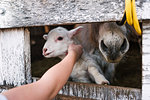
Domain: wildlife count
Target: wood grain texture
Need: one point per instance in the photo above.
(64, 97)
(81, 91)
(146, 61)
(146, 10)
(14, 57)
(24, 13)
(5, 88)
(100, 92)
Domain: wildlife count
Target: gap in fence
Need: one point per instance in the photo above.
(128, 71)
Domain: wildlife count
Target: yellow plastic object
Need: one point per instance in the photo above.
(135, 19)
(130, 16)
(128, 10)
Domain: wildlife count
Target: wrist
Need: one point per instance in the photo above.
(73, 54)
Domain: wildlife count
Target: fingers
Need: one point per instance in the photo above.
(76, 49)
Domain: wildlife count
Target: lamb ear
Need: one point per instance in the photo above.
(45, 36)
(75, 31)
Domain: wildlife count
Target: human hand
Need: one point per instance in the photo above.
(76, 50)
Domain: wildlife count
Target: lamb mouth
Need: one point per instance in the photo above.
(48, 53)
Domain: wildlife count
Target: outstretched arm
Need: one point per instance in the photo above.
(51, 82)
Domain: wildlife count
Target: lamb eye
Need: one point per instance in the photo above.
(60, 38)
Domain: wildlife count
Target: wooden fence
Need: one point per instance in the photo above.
(17, 15)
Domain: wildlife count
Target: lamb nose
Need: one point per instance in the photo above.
(44, 50)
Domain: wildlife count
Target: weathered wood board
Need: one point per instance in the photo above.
(100, 92)
(24, 13)
(5, 88)
(97, 92)
(64, 97)
(15, 57)
(14, 54)
(84, 91)
(146, 10)
(146, 61)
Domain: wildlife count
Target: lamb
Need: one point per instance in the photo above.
(86, 69)
(108, 37)
(107, 42)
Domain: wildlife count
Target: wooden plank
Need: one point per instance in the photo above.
(146, 61)
(64, 97)
(100, 92)
(4, 88)
(24, 13)
(14, 57)
(84, 91)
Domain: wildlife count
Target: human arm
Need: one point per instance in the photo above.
(51, 82)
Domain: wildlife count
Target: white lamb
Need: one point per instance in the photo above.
(86, 68)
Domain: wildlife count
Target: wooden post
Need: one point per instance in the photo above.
(146, 61)
(14, 57)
